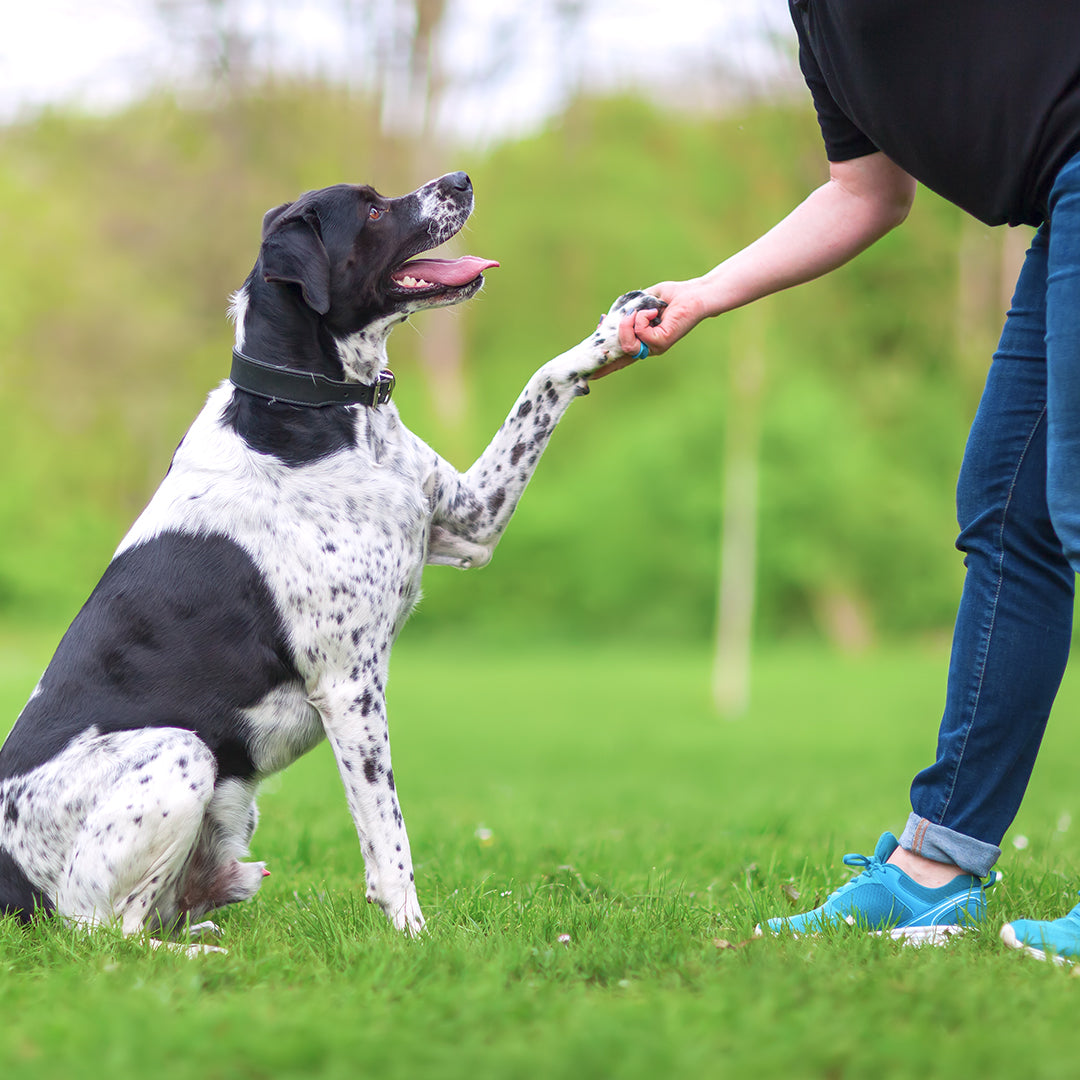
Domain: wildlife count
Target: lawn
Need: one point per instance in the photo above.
(593, 849)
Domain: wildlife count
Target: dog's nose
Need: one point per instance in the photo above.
(459, 181)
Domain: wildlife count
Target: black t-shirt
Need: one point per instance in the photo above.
(977, 99)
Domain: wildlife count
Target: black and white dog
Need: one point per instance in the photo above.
(250, 610)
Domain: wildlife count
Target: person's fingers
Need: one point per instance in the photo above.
(644, 318)
(683, 312)
(663, 335)
(628, 340)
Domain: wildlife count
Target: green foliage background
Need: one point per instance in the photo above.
(123, 236)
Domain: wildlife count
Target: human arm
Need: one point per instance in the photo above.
(862, 200)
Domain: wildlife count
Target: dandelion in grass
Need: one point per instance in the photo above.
(1020, 842)
(485, 836)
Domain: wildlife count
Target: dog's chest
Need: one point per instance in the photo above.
(345, 558)
(341, 540)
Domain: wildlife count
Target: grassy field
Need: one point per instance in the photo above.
(590, 842)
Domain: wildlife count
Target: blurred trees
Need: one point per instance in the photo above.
(393, 49)
(124, 235)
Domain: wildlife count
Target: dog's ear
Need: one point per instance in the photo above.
(272, 215)
(293, 252)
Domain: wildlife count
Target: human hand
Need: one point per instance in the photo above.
(609, 341)
(658, 330)
(685, 309)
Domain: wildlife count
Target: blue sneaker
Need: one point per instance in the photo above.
(1054, 939)
(884, 900)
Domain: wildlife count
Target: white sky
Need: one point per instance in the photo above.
(507, 58)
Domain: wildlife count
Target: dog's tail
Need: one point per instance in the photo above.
(18, 896)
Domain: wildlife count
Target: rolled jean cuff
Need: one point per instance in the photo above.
(922, 837)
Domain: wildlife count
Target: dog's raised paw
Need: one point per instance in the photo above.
(604, 344)
(636, 300)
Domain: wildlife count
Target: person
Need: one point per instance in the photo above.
(978, 100)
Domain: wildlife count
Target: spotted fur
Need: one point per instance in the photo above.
(250, 611)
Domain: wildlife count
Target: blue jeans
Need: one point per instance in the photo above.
(1018, 504)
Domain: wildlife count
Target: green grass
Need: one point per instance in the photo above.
(587, 792)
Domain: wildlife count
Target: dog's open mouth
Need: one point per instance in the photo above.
(440, 275)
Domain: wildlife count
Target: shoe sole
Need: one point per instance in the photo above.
(906, 935)
(922, 935)
(1008, 935)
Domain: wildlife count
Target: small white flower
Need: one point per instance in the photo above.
(1064, 822)
(563, 939)
(1020, 842)
(485, 836)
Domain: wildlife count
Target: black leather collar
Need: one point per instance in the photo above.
(292, 387)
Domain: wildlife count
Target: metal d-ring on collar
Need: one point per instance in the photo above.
(292, 387)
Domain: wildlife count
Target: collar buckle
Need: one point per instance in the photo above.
(384, 387)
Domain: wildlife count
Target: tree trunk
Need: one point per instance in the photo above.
(738, 546)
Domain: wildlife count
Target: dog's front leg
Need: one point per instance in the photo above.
(471, 510)
(354, 718)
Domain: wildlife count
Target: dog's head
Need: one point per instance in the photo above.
(345, 251)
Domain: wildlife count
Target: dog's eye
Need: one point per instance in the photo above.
(374, 214)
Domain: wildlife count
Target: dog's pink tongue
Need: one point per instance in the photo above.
(446, 271)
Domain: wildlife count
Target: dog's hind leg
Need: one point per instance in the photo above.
(215, 874)
(137, 835)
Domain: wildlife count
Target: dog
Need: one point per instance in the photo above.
(250, 610)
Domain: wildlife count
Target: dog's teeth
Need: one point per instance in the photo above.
(414, 283)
